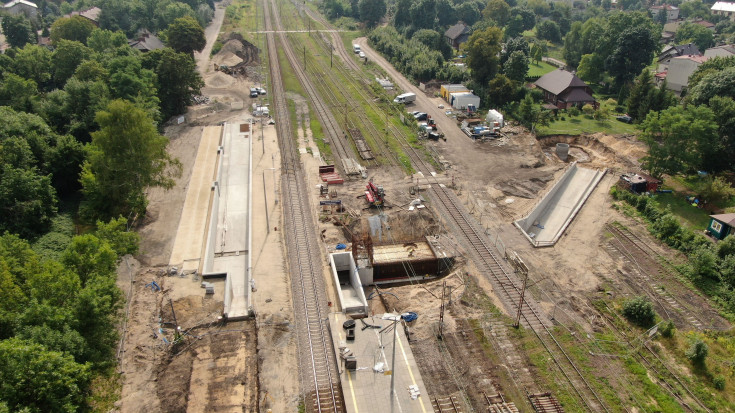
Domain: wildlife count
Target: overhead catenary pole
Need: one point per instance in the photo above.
(393, 362)
(265, 197)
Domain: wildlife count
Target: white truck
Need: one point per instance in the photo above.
(356, 48)
(405, 98)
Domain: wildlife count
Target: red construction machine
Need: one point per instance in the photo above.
(375, 195)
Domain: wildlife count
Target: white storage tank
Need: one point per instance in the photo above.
(493, 116)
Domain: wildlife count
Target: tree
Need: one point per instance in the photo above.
(18, 31)
(76, 28)
(590, 68)
(101, 40)
(402, 16)
(423, 14)
(720, 83)
(531, 115)
(716, 190)
(172, 11)
(116, 15)
(41, 380)
(694, 33)
(27, 201)
(67, 56)
(548, 30)
(724, 110)
(635, 49)
(695, 8)
(17, 92)
(639, 311)
(514, 28)
(679, 140)
(116, 233)
(177, 77)
(129, 80)
(637, 104)
(468, 12)
(445, 13)
(516, 67)
(482, 53)
(573, 45)
(185, 35)
(527, 17)
(501, 90)
(126, 156)
(710, 66)
(512, 45)
(497, 10)
(33, 62)
(371, 11)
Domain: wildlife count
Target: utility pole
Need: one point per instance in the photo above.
(393, 363)
(519, 267)
(265, 197)
(304, 57)
(441, 312)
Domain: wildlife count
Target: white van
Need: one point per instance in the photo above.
(356, 48)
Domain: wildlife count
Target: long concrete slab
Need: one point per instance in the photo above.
(187, 249)
(367, 390)
(547, 221)
(232, 243)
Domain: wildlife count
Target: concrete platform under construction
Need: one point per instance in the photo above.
(231, 215)
(366, 390)
(547, 221)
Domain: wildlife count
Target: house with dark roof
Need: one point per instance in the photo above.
(146, 41)
(670, 52)
(721, 225)
(92, 14)
(457, 34)
(563, 90)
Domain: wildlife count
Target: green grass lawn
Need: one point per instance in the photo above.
(692, 217)
(540, 69)
(581, 124)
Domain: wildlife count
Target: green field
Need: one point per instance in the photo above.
(692, 217)
(539, 69)
(581, 124)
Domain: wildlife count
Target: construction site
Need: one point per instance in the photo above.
(372, 267)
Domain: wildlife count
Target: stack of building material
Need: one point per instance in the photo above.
(328, 174)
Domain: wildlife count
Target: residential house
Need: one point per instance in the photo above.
(22, 6)
(726, 50)
(93, 15)
(724, 8)
(672, 12)
(564, 90)
(721, 225)
(457, 34)
(670, 52)
(680, 68)
(704, 23)
(669, 32)
(146, 41)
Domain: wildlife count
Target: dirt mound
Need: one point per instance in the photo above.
(235, 44)
(219, 80)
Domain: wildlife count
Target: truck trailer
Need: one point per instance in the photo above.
(405, 98)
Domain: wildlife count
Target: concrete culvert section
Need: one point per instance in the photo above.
(547, 221)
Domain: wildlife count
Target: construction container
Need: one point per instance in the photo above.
(460, 101)
(448, 89)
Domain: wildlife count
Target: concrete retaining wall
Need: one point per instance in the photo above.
(547, 221)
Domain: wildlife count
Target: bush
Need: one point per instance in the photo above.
(697, 352)
(216, 47)
(667, 329)
(574, 111)
(639, 311)
(719, 382)
(588, 110)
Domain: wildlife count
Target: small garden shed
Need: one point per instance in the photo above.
(721, 225)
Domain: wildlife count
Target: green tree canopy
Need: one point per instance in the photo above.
(482, 53)
(679, 140)
(573, 45)
(694, 33)
(516, 67)
(371, 11)
(177, 77)
(126, 156)
(720, 83)
(76, 28)
(33, 62)
(634, 51)
(548, 30)
(497, 10)
(185, 35)
(66, 58)
(17, 30)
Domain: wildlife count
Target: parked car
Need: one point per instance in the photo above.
(254, 92)
(414, 112)
(362, 55)
(420, 116)
(262, 91)
(625, 119)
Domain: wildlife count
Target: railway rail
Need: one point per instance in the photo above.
(318, 364)
(652, 271)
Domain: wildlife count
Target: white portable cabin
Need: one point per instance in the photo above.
(494, 116)
(460, 101)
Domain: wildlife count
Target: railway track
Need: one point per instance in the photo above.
(651, 271)
(342, 151)
(449, 404)
(318, 365)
